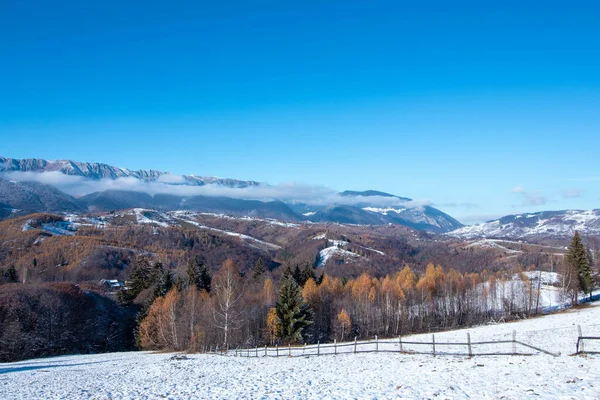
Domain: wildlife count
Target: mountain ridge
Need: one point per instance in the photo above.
(537, 224)
(370, 207)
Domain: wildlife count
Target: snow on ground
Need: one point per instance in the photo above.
(385, 211)
(337, 249)
(252, 240)
(270, 221)
(546, 278)
(143, 219)
(332, 251)
(565, 223)
(144, 375)
(493, 244)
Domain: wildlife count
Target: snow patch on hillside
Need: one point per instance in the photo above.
(253, 241)
(385, 211)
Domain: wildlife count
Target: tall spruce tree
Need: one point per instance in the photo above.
(576, 257)
(307, 273)
(259, 269)
(164, 282)
(293, 313)
(198, 274)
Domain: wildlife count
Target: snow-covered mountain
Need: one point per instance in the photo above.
(97, 171)
(350, 207)
(539, 224)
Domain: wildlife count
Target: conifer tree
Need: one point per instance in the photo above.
(164, 282)
(307, 273)
(576, 257)
(297, 275)
(293, 313)
(259, 269)
(198, 274)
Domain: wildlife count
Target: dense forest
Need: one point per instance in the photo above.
(185, 288)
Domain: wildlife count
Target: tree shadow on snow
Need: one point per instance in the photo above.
(22, 368)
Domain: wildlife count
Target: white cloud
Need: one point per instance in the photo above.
(572, 193)
(171, 184)
(534, 198)
(172, 179)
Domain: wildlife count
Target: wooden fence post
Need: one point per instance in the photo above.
(400, 342)
(469, 344)
(433, 338)
(376, 344)
(289, 350)
(355, 337)
(277, 350)
(319, 348)
(304, 349)
(514, 342)
(257, 351)
(580, 341)
(335, 346)
(265, 350)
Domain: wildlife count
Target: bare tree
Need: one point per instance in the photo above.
(226, 308)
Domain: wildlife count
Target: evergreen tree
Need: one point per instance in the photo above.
(293, 313)
(205, 278)
(576, 257)
(307, 273)
(297, 275)
(259, 269)
(287, 272)
(10, 275)
(198, 274)
(164, 282)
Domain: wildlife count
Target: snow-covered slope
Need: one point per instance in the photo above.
(542, 224)
(345, 376)
(93, 170)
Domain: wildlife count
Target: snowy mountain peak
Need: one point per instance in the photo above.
(542, 224)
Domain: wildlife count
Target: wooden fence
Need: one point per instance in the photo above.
(468, 348)
(580, 343)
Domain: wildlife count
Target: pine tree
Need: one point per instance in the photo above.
(576, 257)
(139, 279)
(164, 282)
(205, 278)
(259, 269)
(297, 275)
(198, 274)
(293, 313)
(307, 273)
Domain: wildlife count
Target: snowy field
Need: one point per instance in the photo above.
(144, 375)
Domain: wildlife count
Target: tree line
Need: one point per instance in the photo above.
(233, 309)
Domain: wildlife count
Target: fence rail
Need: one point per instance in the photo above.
(468, 348)
(580, 343)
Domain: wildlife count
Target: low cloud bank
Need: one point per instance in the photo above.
(174, 184)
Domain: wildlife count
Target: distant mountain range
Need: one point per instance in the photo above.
(362, 208)
(98, 171)
(539, 224)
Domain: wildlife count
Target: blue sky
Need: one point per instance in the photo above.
(482, 109)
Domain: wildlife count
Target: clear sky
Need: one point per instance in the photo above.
(483, 108)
